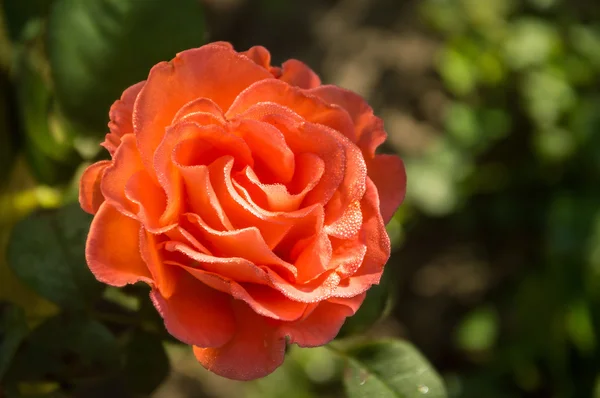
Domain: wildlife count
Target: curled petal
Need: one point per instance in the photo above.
(202, 197)
(125, 164)
(163, 274)
(255, 350)
(266, 93)
(150, 200)
(378, 248)
(369, 132)
(246, 243)
(113, 248)
(299, 74)
(189, 144)
(195, 313)
(200, 105)
(121, 114)
(90, 195)
(211, 71)
(271, 154)
(259, 55)
(263, 299)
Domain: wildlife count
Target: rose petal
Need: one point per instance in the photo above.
(389, 176)
(259, 55)
(263, 299)
(126, 163)
(299, 74)
(113, 248)
(272, 156)
(189, 144)
(378, 248)
(211, 71)
(323, 323)
(314, 259)
(246, 243)
(309, 107)
(163, 274)
(233, 268)
(369, 132)
(255, 350)
(205, 106)
(121, 120)
(202, 198)
(195, 313)
(241, 213)
(90, 195)
(150, 200)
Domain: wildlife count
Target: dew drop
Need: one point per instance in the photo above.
(423, 389)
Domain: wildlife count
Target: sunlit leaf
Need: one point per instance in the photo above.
(389, 369)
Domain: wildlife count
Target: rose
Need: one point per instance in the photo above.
(250, 199)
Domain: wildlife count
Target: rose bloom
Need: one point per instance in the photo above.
(249, 197)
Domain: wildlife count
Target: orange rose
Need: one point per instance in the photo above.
(249, 197)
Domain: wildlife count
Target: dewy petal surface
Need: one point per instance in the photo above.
(255, 350)
(211, 71)
(90, 195)
(195, 313)
(249, 197)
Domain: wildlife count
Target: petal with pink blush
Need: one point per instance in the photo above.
(211, 71)
(121, 117)
(90, 195)
(323, 324)
(254, 351)
(113, 248)
(298, 74)
(195, 313)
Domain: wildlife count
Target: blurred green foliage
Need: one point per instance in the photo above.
(524, 78)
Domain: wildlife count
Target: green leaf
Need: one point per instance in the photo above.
(146, 364)
(19, 13)
(48, 146)
(72, 349)
(13, 329)
(390, 369)
(98, 48)
(46, 251)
